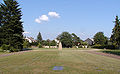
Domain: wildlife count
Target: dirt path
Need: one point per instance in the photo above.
(104, 54)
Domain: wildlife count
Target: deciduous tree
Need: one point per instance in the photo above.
(99, 38)
(66, 39)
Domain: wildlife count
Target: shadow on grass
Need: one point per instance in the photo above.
(26, 49)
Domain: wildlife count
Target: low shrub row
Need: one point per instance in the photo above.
(104, 46)
(8, 48)
(116, 52)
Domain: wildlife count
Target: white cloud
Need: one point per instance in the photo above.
(37, 20)
(41, 18)
(54, 14)
(44, 18)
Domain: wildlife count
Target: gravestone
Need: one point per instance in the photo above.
(60, 46)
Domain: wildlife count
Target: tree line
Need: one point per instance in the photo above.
(100, 40)
(11, 29)
(113, 42)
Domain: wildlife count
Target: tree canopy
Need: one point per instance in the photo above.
(99, 38)
(39, 37)
(75, 39)
(115, 37)
(11, 25)
(66, 39)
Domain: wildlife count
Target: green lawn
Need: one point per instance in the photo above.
(73, 61)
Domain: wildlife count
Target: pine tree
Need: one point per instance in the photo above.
(1, 27)
(0, 19)
(39, 37)
(11, 24)
(115, 37)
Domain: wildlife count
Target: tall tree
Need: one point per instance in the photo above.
(115, 37)
(53, 43)
(1, 38)
(76, 40)
(66, 39)
(39, 37)
(99, 38)
(11, 24)
(0, 17)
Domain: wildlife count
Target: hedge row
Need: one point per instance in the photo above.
(104, 47)
(116, 52)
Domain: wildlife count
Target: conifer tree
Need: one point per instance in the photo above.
(12, 28)
(39, 37)
(115, 37)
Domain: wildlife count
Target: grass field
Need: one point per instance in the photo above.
(73, 61)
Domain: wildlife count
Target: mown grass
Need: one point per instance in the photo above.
(43, 61)
(116, 52)
(62, 49)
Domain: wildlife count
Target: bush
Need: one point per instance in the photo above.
(34, 44)
(98, 46)
(116, 52)
(110, 47)
(104, 46)
(26, 44)
(5, 47)
(53, 43)
(80, 46)
(39, 45)
(14, 50)
(1, 50)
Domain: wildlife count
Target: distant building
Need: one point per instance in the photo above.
(89, 41)
(30, 39)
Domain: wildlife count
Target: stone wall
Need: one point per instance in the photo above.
(49, 46)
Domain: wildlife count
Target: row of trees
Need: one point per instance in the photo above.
(100, 40)
(67, 39)
(113, 42)
(47, 42)
(11, 28)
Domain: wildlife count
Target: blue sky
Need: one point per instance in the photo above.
(82, 17)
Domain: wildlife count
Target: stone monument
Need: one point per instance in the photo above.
(60, 46)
